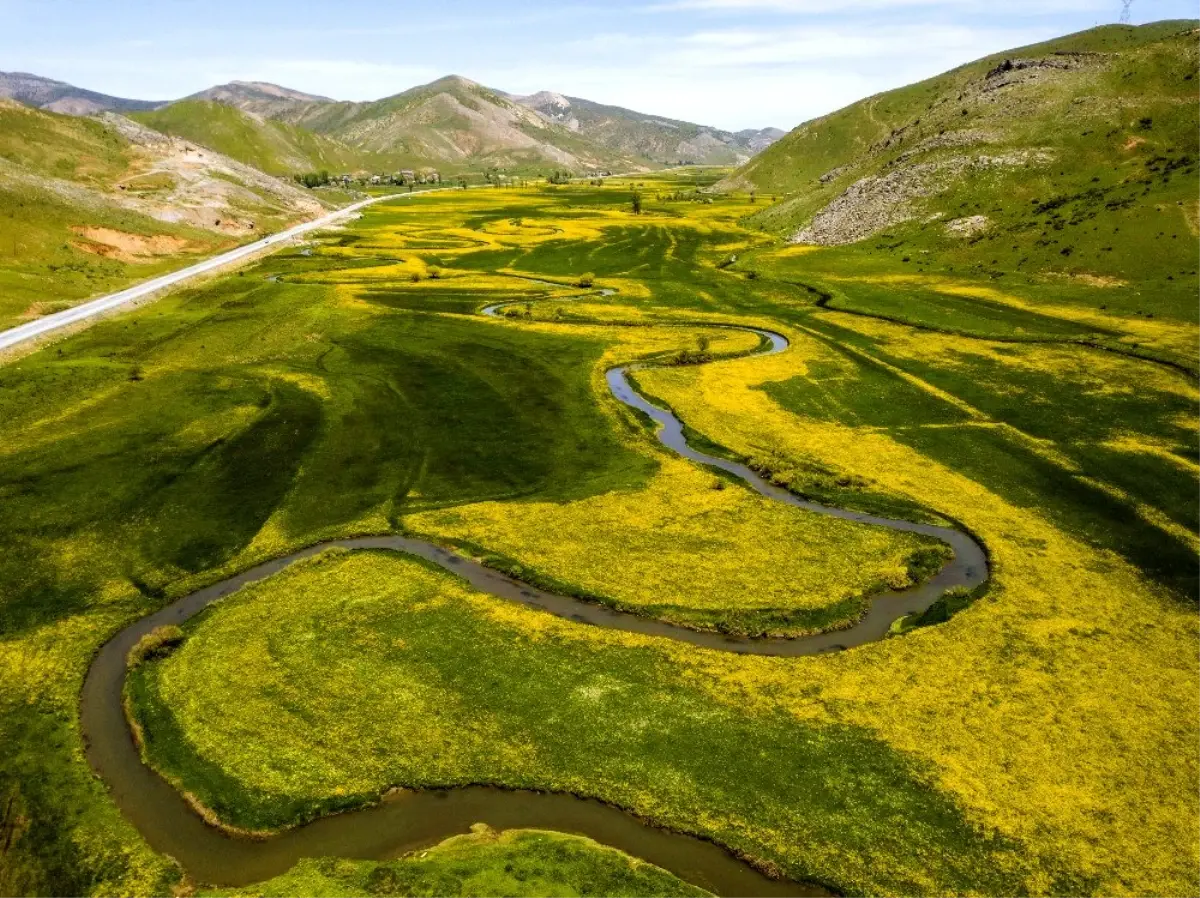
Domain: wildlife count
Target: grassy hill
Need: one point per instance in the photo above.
(277, 148)
(89, 205)
(664, 140)
(1077, 154)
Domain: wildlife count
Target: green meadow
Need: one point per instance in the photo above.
(351, 387)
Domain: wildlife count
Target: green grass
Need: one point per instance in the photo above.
(525, 701)
(274, 147)
(62, 175)
(171, 446)
(1058, 403)
(794, 163)
(1108, 197)
(524, 863)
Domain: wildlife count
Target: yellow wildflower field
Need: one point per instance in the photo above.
(1052, 704)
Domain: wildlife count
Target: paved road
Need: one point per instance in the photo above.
(34, 329)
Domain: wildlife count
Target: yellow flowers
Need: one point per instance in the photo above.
(1061, 710)
(687, 552)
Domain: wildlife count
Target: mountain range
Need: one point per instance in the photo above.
(452, 123)
(58, 96)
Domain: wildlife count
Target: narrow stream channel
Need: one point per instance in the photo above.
(416, 819)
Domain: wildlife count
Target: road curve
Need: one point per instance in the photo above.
(31, 331)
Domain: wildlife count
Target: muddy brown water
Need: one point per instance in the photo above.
(411, 820)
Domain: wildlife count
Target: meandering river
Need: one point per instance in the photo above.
(414, 819)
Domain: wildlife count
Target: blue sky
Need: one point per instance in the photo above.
(729, 63)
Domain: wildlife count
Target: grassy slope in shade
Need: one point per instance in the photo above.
(274, 147)
(522, 862)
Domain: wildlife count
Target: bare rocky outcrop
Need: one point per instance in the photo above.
(648, 136)
(174, 181)
(834, 173)
(877, 202)
(869, 205)
(962, 138)
(968, 226)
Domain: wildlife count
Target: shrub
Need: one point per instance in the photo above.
(158, 643)
(586, 280)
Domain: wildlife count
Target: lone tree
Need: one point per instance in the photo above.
(637, 203)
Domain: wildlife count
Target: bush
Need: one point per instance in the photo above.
(586, 280)
(947, 605)
(158, 643)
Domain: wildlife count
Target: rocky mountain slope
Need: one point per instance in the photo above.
(89, 204)
(261, 99)
(1090, 127)
(456, 121)
(452, 123)
(58, 96)
(663, 140)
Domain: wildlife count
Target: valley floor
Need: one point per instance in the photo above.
(1034, 737)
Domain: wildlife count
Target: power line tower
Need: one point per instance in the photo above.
(1125, 4)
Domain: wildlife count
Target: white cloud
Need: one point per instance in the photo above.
(752, 77)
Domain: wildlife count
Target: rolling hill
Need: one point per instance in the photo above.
(455, 123)
(1066, 153)
(452, 123)
(653, 137)
(88, 204)
(260, 98)
(58, 96)
(275, 147)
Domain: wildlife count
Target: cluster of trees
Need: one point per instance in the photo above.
(685, 196)
(696, 356)
(560, 177)
(313, 179)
